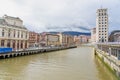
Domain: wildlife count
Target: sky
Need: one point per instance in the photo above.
(61, 15)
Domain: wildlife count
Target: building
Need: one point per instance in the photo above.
(84, 39)
(114, 36)
(56, 39)
(52, 39)
(63, 39)
(12, 33)
(102, 25)
(43, 39)
(81, 39)
(76, 40)
(70, 40)
(66, 40)
(93, 35)
(34, 39)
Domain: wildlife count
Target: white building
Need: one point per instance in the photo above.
(102, 25)
(12, 33)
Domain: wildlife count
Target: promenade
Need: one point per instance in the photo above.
(31, 51)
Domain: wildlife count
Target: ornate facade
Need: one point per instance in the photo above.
(12, 33)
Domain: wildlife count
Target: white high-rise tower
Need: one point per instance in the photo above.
(102, 25)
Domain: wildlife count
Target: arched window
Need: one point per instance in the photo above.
(21, 44)
(2, 43)
(13, 44)
(25, 44)
(3, 33)
(9, 32)
(8, 43)
(14, 33)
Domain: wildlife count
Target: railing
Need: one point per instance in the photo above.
(110, 43)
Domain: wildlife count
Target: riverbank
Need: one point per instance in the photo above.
(108, 62)
(32, 51)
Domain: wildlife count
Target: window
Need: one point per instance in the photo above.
(14, 44)
(21, 44)
(26, 35)
(22, 35)
(9, 33)
(18, 34)
(14, 33)
(3, 33)
(2, 43)
(8, 43)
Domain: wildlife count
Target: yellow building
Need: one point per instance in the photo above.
(63, 39)
(52, 40)
(66, 40)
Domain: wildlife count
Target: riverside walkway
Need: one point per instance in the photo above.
(110, 54)
(31, 51)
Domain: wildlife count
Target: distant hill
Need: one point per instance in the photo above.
(73, 33)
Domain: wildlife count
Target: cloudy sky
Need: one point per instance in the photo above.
(44, 15)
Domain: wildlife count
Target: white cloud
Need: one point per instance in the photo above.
(37, 14)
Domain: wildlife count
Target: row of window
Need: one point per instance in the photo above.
(102, 22)
(102, 34)
(102, 31)
(103, 17)
(102, 37)
(19, 45)
(14, 34)
(102, 25)
(103, 10)
(102, 40)
(102, 14)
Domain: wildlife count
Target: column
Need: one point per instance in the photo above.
(19, 44)
(110, 51)
(15, 44)
(11, 43)
(23, 44)
(27, 44)
(5, 45)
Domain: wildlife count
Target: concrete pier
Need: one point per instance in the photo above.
(32, 51)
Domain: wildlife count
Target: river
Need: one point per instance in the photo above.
(72, 64)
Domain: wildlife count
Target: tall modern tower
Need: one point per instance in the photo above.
(102, 25)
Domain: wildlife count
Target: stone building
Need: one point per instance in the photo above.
(13, 33)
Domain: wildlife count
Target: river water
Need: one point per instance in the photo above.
(72, 64)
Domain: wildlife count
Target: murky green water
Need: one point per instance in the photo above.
(72, 64)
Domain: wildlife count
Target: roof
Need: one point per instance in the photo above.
(4, 23)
